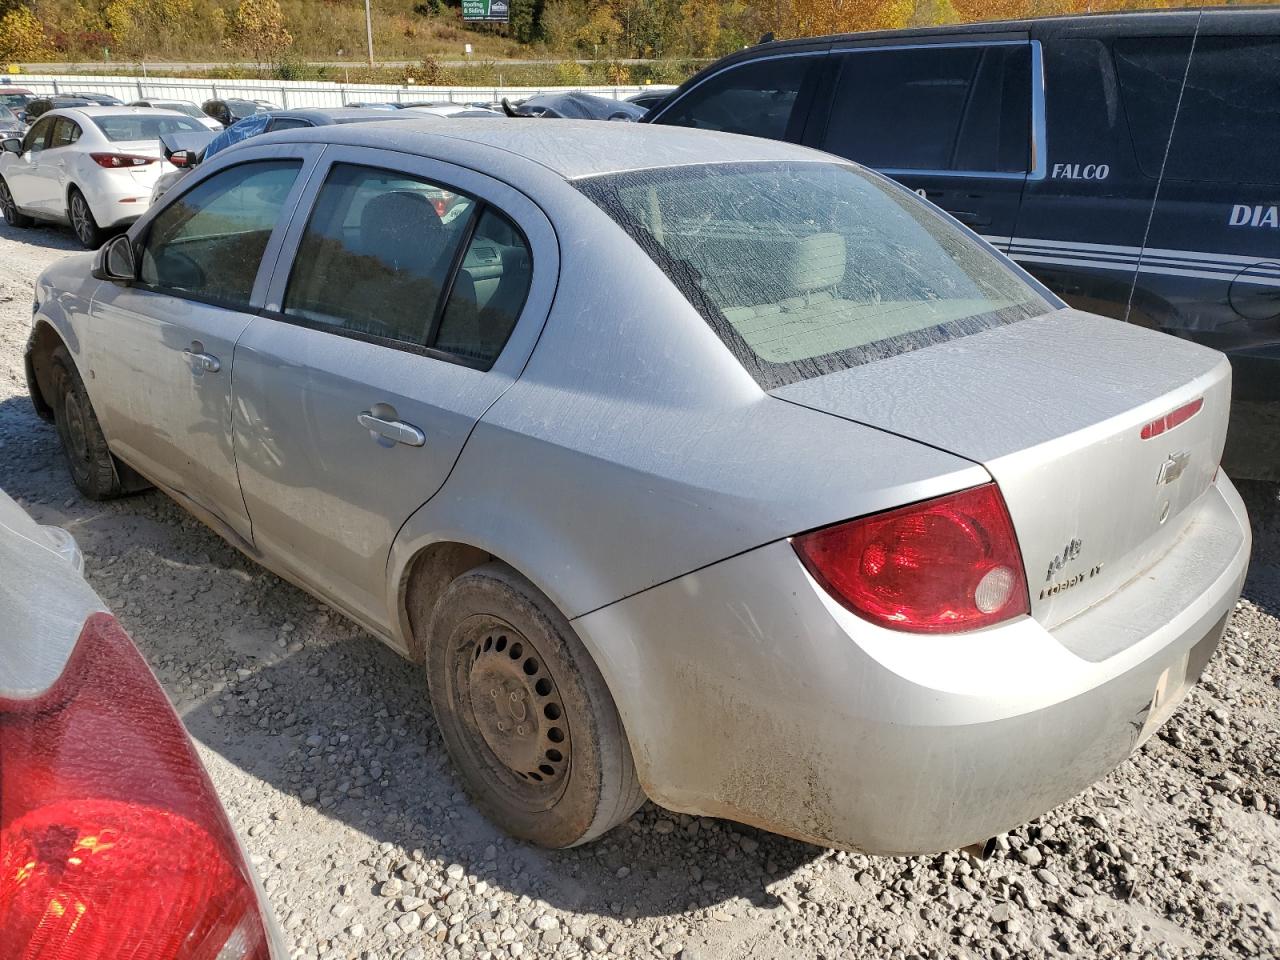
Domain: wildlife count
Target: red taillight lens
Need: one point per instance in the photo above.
(941, 566)
(112, 841)
(113, 161)
(1172, 419)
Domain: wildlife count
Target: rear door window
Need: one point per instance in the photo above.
(208, 244)
(1151, 70)
(65, 132)
(963, 108)
(38, 135)
(806, 268)
(395, 258)
(758, 99)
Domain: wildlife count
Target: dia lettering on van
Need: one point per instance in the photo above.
(1244, 215)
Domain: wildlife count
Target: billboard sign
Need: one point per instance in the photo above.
(492, 11)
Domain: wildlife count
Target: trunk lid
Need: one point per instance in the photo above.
(1054, 408)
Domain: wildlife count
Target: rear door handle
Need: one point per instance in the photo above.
(199, 361)
(970, 219)
(389, 431)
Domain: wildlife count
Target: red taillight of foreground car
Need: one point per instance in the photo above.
(940, 566)
(114, 161)
(112, 841)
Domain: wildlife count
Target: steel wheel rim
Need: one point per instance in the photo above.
(512, 712)
(80, 217)
(77, 441)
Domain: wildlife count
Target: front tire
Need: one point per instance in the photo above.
(9, 208)
(93, 468)
(525, 714)
(85, 226)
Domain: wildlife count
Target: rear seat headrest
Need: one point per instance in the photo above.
(815, 263)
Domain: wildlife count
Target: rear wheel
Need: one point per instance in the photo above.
(82, 222)
(95, 472)
(9, 208)
(525, 713)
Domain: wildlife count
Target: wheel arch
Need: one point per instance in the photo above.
(45, 339)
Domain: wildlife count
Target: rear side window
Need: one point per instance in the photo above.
(757, 99)
(807, 268)
(1228, 127)
(65, 132)
(208, 244)
(393, 257)
(963, 108)
(126, 127)
(38, 135)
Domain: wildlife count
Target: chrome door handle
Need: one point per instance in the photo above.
(202, 362)
(394, 431)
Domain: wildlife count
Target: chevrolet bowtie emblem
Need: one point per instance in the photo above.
(1172, 468)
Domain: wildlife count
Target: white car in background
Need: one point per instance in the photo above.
(187, 108)
(91, 167)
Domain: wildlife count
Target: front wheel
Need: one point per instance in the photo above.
(525, 713)
(82, 222)
(9, 208)
(96, 473)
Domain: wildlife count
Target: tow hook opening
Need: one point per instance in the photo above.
(982, 850)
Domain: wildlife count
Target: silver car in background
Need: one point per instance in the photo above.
(705, 468)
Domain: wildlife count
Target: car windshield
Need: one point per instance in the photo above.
(141, 126)
(7, 115)
(15, 101)
(807, 268)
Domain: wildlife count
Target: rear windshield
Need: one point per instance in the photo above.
(803, 269)
(135, 126)
(190, 109)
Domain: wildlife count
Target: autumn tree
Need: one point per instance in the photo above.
(22, 37)
(142, 27)
(256, 29)
(702, 27)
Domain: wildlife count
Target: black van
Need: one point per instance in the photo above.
(1130, 161)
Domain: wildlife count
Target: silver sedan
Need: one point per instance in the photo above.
(708, 469)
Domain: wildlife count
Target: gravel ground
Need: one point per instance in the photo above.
(322, 745)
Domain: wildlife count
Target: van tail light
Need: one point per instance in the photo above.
(114, 161)
(113, 843)
(941, 566)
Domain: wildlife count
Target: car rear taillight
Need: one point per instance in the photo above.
(112, 841)
(113, 161)
(940, 566)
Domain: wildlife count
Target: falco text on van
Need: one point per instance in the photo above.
(1244, 215)
(1081, 171)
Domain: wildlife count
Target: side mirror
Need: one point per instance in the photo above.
(11, 145)
(114, 261)
(184, 158)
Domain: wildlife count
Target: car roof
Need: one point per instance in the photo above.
(121, 111)
(328, 114)
(1120, 21)
(570, 148)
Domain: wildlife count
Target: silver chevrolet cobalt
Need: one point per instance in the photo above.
(708, 469)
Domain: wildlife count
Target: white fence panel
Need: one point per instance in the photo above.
(292, 93)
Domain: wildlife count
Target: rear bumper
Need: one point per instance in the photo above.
(747, 693)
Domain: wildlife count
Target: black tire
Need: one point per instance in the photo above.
(9, 208)
(95, 472)
(83, 224)
(543, 755)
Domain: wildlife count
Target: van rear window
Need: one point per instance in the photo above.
(807, 268)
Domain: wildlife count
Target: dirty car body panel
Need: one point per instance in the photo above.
(659, 434)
